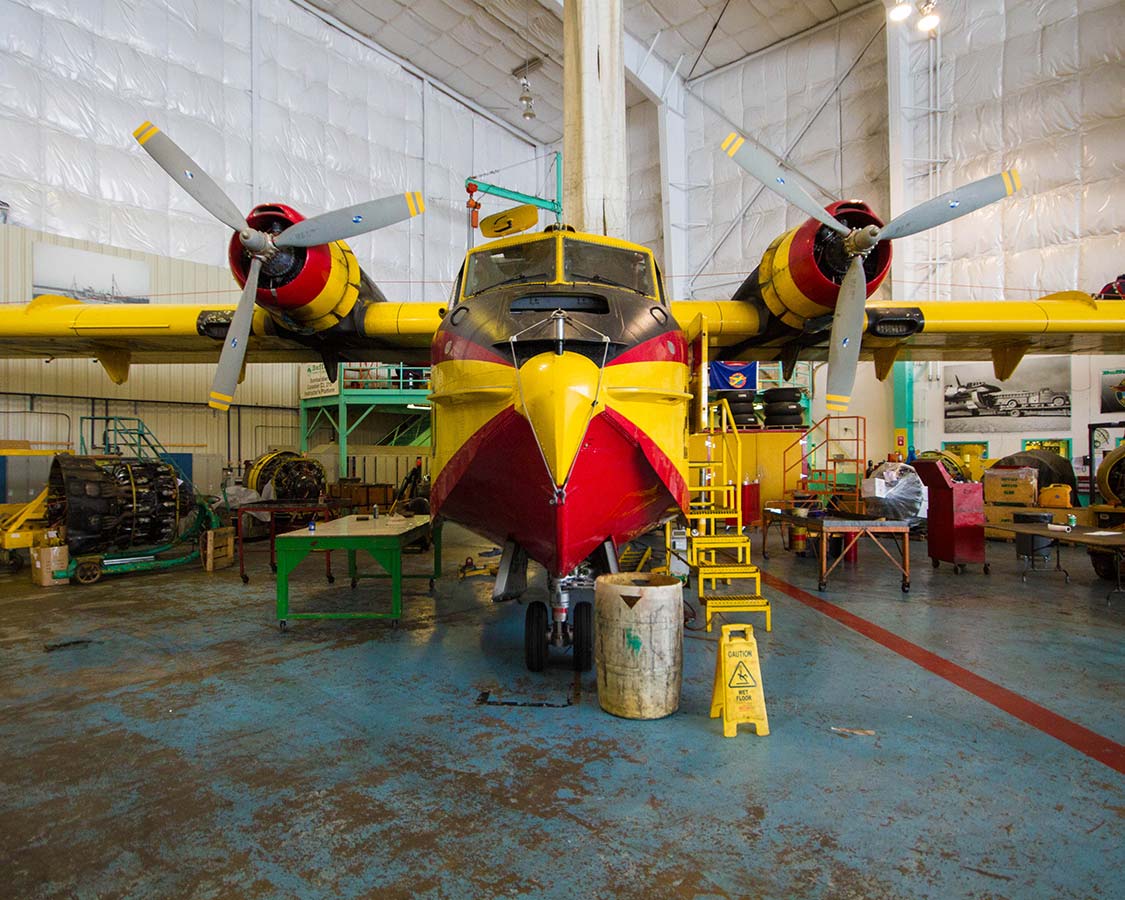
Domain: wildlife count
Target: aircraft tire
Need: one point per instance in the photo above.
(782, 395)
(733, 397)
(775, 421)
(535, 637)
(745, 419)
(781, 408)
(583, 637)
(742, 409)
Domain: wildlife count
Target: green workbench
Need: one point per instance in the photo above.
(383, 538)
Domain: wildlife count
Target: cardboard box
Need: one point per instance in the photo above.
(1015, 487)
(45, 561)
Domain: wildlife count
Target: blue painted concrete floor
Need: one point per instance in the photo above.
(160, 737)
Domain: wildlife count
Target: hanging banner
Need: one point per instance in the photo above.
(734, 376)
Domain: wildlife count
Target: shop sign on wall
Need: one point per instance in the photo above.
(315, 383)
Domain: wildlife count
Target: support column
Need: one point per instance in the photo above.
(595, 180)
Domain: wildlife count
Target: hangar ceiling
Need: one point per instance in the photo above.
(473, 46)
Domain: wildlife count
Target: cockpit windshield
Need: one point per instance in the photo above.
(602, 264)
(516, 263)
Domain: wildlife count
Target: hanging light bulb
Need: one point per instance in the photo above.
(930, 18)
(900, 12)
(526, 99)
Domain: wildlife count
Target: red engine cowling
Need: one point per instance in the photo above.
(800, 273)
(313, 287)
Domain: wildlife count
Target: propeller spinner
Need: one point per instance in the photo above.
(847, 319)
(323, 229)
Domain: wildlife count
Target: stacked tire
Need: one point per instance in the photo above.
(741, 405)
(783, 407)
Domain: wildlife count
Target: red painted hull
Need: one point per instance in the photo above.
(498, 485)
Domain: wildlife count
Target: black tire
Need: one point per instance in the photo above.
(742, 409)
(735, 396)
(1103, 566)
(782, 395)
(746, 419)
(783, 409)
(583, 637)
(775, 421)
(535, 637)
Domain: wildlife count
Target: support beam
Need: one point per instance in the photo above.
(662, 85)
(595, 181)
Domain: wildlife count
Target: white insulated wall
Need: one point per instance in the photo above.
(646, 189)
(307, 115)
(771, 97)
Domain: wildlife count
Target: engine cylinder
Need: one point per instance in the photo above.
(294, 477)
(110, 503)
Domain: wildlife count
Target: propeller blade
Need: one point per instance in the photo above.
(345, 223)
(763, 167)
(847, 335)
(952, 205)
(234, 350)
(189, 176)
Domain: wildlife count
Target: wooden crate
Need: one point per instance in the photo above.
(216, 548)
(996, 513)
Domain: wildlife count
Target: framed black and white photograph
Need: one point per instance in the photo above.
(1035, 398)
(87, 275)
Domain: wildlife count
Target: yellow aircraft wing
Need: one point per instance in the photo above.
(1004, 331)
(54, 326)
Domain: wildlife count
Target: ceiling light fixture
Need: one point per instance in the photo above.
(930, 18)
(527, 100)
(900, 12)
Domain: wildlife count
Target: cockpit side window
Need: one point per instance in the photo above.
(516, 263)
(603, 264)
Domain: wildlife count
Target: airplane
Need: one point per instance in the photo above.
(562, 372)
(971, 394)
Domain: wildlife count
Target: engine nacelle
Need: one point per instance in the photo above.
(303, 288)
(801, 271)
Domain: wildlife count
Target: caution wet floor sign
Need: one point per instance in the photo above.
(737, 695)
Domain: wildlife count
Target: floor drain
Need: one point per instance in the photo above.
(484, 698)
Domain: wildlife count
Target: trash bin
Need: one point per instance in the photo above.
(1029, 545)
(639, 644)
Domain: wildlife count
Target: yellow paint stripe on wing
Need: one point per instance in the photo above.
(1007, 182)
(837, 407)
(410, 203)
(731, 138)
(215, 395)
(145, 132)
(1016, 179)
(736, 146)
(419, 202)
(838, 398)
(219, 405)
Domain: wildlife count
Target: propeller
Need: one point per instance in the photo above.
(261, 246)
(847, 321)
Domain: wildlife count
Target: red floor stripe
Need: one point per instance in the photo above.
(1071, 733)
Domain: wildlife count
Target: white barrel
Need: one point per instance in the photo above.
(639, 644)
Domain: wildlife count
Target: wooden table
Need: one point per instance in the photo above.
(851, 527)
(383, 539)
(1080, 536)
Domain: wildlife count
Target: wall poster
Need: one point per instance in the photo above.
(1035, 398)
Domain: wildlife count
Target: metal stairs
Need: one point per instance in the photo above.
(715, 550)
(123, 436)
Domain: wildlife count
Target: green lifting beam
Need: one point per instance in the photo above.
(552, 206)
(904, 401)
